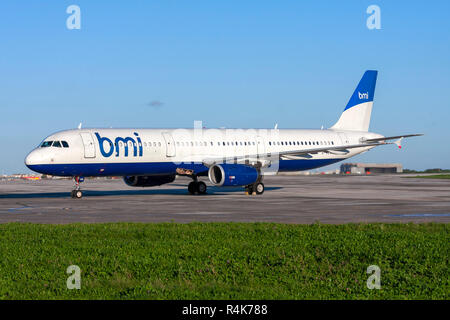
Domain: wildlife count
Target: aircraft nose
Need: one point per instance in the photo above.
(31, 159)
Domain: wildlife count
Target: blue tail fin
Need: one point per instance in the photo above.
(365, 90)
(356, 115)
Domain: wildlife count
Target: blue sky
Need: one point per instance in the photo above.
(228, 63)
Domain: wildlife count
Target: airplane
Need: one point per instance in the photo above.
(228, 157)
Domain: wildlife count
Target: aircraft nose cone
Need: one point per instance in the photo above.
(31, 159)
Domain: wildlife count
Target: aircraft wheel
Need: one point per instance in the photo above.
(259, 188)
(77, 194)
(192, 187)
(201, 187)
(249, 190)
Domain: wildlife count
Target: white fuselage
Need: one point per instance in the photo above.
(122, 152)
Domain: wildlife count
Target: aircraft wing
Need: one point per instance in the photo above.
(305, 152)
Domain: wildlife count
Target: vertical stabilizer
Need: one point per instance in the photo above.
(356, 115)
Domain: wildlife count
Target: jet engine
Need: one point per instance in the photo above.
(148, 181)
(232, 175)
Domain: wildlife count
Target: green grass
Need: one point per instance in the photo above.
(435, 176)
(224, 261)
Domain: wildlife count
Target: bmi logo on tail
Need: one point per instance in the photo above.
(364, 95)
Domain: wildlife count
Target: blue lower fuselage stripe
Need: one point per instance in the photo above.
(156, 168)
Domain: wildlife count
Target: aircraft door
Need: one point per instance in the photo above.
(260, 146)
(170, 144)
(344, 138)
(88, 142)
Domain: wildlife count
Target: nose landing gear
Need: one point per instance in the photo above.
(77, 193)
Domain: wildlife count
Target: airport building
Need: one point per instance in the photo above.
(369, 168)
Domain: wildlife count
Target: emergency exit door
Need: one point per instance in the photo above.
(170, 144)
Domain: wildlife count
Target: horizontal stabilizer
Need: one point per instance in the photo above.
(393, 137)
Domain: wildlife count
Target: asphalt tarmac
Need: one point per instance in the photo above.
(287, 199)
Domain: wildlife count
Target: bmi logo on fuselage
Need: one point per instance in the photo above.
(118, 142)
(364, 95)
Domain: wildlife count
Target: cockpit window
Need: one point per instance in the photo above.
(56, 144)
(46, 144)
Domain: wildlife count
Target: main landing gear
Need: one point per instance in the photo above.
(77, 193)
(197, 187)
(255, 188)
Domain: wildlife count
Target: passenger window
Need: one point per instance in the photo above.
(65, 144)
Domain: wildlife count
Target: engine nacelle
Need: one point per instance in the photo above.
(147, 181)
(232, 175)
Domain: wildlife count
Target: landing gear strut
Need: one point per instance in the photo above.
(77, 193)
(196, 186)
